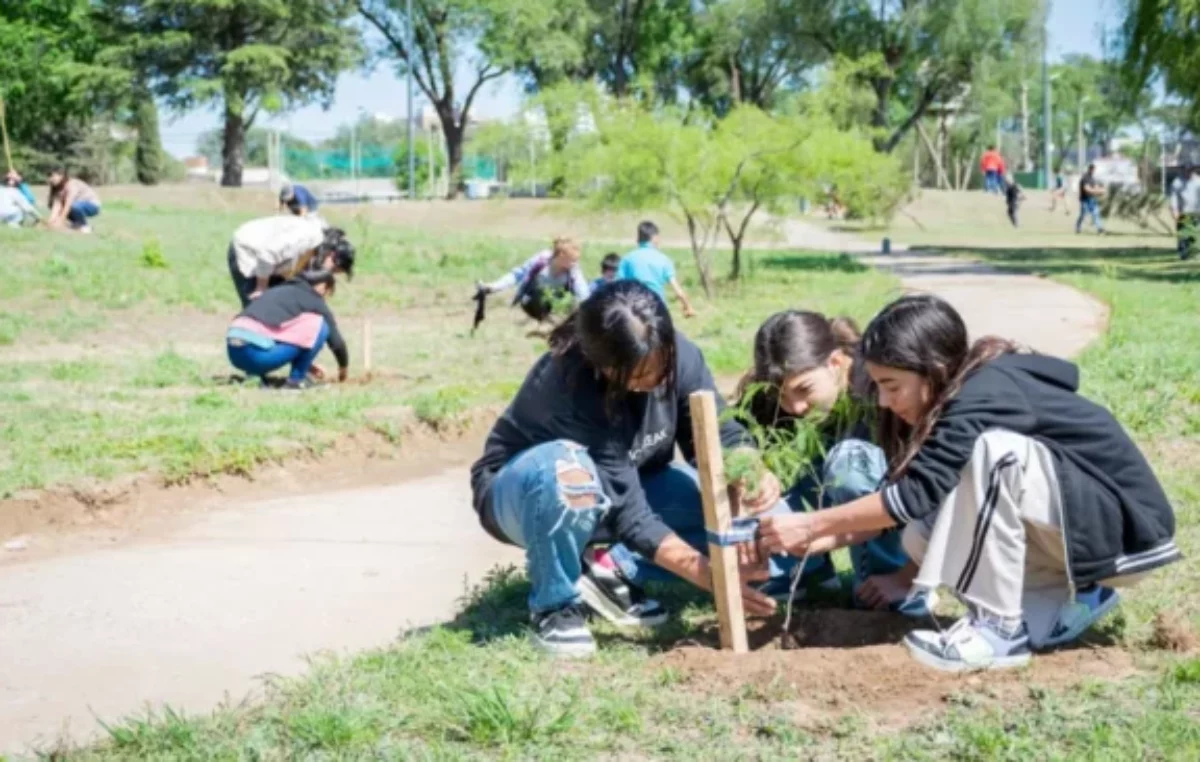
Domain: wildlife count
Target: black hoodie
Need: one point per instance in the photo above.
(564, 398)
(1117, 520)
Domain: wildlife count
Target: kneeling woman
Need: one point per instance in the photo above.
(1025, 499)
(806, 369)
(577, 457)
(290, 323)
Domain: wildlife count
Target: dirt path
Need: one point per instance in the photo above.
(191, 615)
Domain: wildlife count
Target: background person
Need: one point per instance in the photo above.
(1025, 499)
(544, 277)
(1185, 206)
(1059, 193)
(289, 324)
(653, 269)
(608, 269)
(13, 179)
(585, 454)
(1012, 198)
(297, 199)
(1091, 191)
(16, 208)
(268, 250)
(72, 201)
(991, 164)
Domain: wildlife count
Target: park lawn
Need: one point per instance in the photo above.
(112, 353)
(475, 689)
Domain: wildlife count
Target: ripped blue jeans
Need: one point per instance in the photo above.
(548, 500)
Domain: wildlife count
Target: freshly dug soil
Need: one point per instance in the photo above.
(853, 662)
(1173, 633)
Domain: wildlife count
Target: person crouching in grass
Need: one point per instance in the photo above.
(584, 455)
(267, 251)
(289, 324)
(72, 202)
(1025, 499)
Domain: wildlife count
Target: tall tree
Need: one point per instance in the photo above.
(748, 52)
(1159, 40)
(53, 81)
(243, 56)
(148, 154)
(443, 30)
(925, 51)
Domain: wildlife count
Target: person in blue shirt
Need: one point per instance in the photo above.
(299, 200)
(608, 269)
(13, 179)
(653, 269)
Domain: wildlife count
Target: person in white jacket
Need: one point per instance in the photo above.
(15, 209)
(269, 250)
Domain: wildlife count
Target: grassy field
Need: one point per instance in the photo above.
(475, 689)
(112, 352)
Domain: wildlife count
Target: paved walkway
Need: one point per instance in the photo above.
(192, 617)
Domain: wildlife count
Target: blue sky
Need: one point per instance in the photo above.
(1076, 26)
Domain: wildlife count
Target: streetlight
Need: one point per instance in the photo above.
(1082, 148)
(408, 45)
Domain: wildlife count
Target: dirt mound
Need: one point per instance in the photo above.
(853, 662)
(1173, 633)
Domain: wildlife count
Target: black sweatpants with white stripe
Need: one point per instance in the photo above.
(997, 540)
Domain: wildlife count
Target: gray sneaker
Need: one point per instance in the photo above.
(1074, 618)
(969, 645)
(563, 632)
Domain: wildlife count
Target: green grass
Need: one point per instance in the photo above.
(475, 689)
(113, 353)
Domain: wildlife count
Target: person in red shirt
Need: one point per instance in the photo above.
(992, 166)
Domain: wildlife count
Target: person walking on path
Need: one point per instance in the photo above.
(653, 269)
(72, 201)
(1090, 193)
(585, 455)
(269, 250)
(1185, 205)
(992, 166)
(1027, 500)
(1012, 198)
(1059, 193)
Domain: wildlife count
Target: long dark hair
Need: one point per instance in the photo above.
(924, 335)
(616, 329)
(791, 342)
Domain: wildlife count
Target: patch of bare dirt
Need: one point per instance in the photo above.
(853, 662)
(1173, 633)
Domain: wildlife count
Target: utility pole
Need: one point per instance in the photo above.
(1047, 132)
(429, 152)
(1026, 158)
(408, 45)
(353, 155)
(1081, 149)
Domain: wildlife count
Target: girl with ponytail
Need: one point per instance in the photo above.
(806, 373)
(1026, 500)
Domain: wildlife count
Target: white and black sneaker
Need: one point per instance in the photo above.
(563, 632)
(609, 593)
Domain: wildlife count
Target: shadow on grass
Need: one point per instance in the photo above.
(497, 609)
(809, 263)
(1160, 265)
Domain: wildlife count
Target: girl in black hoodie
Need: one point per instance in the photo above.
(1019, 495)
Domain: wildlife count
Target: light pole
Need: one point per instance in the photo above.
(1081, 147)
(1047, 132)
(408, 45)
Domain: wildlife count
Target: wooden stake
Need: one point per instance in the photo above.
(4, 131)
(366, 345)
(727, 585)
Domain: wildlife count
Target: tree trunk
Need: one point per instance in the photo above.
(883, 93)
(233, 151)
(1026, 158)
(698, 246)
(735, 80)
(939, 170)
(453, 134)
